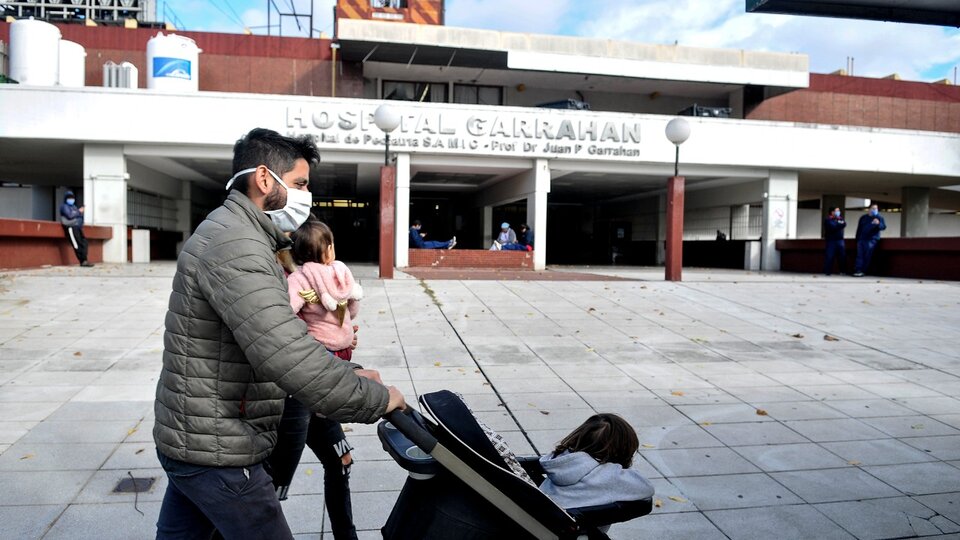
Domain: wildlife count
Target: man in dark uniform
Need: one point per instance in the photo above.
(71, 217)
(868, 234)
(833, 227)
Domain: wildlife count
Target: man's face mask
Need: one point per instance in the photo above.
(836, 213)
(71, 201)
(874, 212)
(294, 213)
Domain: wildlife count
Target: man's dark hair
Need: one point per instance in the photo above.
(416, 223)
(267, 147)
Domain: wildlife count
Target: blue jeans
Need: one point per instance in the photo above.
(514, 247)
(435, 244)
(864, 254)
(239, 502)
(835, 249)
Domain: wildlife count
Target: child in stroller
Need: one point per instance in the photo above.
(462, 484)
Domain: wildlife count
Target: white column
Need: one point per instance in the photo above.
(401, 254)
(487, 227)
(779, 215)
(183, 213)
(661, 229)
(537, 212)
(105, 196)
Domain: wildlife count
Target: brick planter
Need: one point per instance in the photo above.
(471, 258)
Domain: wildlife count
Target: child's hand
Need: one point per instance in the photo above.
(354, 344)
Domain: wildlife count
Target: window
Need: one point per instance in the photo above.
(415, 91)
(477, 95)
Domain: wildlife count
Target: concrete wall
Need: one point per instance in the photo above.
(941, 225)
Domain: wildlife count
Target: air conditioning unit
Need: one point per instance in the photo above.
(709, 112)
(122, 75)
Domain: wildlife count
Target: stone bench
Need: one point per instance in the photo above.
(470, 258)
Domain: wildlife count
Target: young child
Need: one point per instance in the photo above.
(591, 465)
(324, 294)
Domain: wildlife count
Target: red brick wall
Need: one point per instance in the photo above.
(470, 258)
(228, 63)
(859, 101)
(27, 243)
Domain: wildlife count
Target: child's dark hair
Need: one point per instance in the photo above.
(606, 437)
(311, 241)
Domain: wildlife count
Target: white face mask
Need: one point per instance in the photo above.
(294, 213)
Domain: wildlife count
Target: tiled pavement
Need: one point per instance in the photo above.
(753, 423)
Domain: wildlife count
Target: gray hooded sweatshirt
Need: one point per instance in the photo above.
(576, 480)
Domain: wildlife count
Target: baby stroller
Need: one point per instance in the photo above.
(460, 487)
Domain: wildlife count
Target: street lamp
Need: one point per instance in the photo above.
(678, 131)
(387, 119)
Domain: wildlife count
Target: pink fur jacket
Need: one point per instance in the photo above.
(326, 296)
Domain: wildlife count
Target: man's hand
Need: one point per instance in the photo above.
(371, 374)
(876, 221)
(81, 209)
(396, 400)
(353, 345)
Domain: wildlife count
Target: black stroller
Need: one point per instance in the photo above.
(459, 486)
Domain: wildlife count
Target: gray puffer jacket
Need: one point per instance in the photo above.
(233, 349)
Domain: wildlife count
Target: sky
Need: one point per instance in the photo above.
(914, 52)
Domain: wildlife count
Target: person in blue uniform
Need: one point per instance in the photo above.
(417, 241)
(833, 227)
(868, 234)
(71, 217)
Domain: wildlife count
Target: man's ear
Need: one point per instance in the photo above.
(261, 179)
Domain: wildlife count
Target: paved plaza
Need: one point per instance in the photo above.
(768, 405)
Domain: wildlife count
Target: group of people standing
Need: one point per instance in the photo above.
(868, 234)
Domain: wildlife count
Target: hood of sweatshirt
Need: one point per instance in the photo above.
(568, 468)
(334, 279)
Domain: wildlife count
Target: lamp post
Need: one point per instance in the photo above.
(677, 132)
(387, 119)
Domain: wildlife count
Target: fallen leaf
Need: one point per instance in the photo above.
(437, 364)
(853, 462)
(382, 312)
(544, 412)
(658, 503)
(706, 423)
(133, 430)
(798, 335)
(140, 451)
(28, 456)
(828, 337)
(78, 353)
(916, 426)
(645, 445)
(589, 349)
(308, 472)
(592, 309)
(674, 498)
(347, 429)
(677, 393)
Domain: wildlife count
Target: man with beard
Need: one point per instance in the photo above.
(234, 350)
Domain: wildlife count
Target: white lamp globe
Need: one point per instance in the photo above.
(386, 118)
(678, 131)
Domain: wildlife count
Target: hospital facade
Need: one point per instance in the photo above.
(564, 134)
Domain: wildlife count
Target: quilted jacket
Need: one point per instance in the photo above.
(233, 349)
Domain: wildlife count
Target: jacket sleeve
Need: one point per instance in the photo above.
(513, 237)
(883, 223)
(245, 287)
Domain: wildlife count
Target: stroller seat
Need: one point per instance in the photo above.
(462, 487)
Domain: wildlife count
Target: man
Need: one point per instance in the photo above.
(233, 350)
(506, 236)
(417, 239)
(524, 240)
(71, 217)
(868, 234)
(833, 227)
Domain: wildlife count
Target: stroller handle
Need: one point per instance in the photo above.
(409, 423)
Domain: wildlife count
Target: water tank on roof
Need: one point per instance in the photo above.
(34, 52)
(73, 68)
(173, 63)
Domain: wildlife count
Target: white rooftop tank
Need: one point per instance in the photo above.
(73, 64)
(34, 52)
(173, 63)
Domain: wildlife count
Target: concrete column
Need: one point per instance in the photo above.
(183, 213)
(661, 229)
(779, 215)
(537, 212)
(401, 250)
(488, 226)
(739, 221)
(105, 196)
(915, 203)
(827, 203)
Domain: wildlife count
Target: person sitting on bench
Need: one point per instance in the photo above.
(417, 239)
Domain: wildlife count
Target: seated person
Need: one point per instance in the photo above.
(417, 239)
(506, 237)
(524, 240)
(591, 465)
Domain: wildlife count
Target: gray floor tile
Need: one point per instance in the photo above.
(100, 488)
(668, 498)
(41, 487)
(946, 448)
(698, 462)
(946, 504)
(726, 412)
(667, 526)
(799, 410)
(103, 411)
(887, 518)
(910, 426)
(932, 405)
(27, 522)
(835, 430)
(304, 513)
(79, 432)
(751, 433)
(667, 437)
(106, 521)
(919, 478)
(38, 456)
(734, 491)
(829, 485)
(869, 408)
(790, 457)
(776, 522)
(877, 452)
